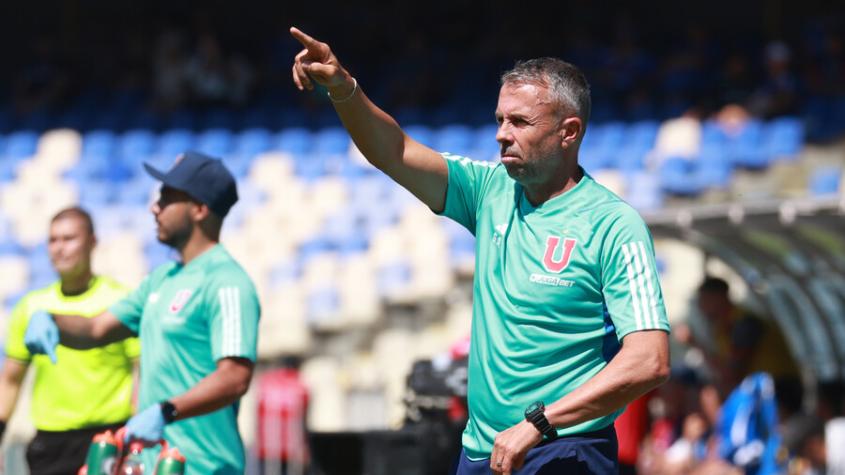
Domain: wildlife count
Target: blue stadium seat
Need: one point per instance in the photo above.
(392, 278)
(629, 159)
(321, 303)
(344, 232)
(783, 138)
(157, 253)
(485, 146)
(331, 141)
(641, 135)
(310, 167)
(20, 144)
(745, 149)
(296, 141)
(285, 272)
(99, 144)
(41, 272)
(313, 247)
(215, 142)
(712, 135)
(643, 191)
(825, 180)
(136, 145)
(172, 142)
(136, 192)
(355, 245)
(456, 139)
(252, 142)
(8, 169)
(713, 170)
(94, 195)
(677, 176)
(421, 133)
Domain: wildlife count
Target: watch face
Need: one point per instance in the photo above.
(534, 407)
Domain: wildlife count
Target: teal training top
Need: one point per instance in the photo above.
(188, 317)
(557, 287)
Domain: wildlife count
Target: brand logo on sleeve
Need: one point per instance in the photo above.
(554, 260)
(179, 300)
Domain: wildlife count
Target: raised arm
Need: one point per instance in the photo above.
(419, 169)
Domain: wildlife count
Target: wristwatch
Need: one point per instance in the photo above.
(168, 412)
(535, 414)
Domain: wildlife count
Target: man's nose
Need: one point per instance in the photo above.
(503, 134)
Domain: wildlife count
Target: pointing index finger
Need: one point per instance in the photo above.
(307, 41)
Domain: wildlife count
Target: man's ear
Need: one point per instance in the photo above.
(200, 211)
(570, 131)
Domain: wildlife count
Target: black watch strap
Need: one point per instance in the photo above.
(168, 412)
(535, 414)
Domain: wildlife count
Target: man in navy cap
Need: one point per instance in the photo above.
(197, 320)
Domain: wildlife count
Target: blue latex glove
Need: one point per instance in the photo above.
(146, 426)
(42, 335)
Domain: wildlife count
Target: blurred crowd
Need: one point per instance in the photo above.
(639, 67)
(736, 402)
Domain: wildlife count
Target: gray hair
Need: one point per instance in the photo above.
(566, 83)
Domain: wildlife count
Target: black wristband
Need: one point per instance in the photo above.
(168, 412)
(536, 416)
(2, 429)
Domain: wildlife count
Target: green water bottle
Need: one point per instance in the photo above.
(170, 462)
(102, 454)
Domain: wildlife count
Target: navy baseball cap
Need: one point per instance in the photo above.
(204, 178)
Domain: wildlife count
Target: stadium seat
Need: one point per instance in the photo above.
(746, 148)
(485, 146)
(20, 144)
(331, 141)
(98, 144)
(644, 191)
(714, 169)
(323, 308)
(825, 181)
(92, 197)
(677, 176)
(296, 141)
(783, 138)
(421, 133)
(136, 145)
(454, 138)
(641, 135)
(215, 142)
(252, 142)
(286, 272)
(16, 276)
(283, 324)
(172, 142)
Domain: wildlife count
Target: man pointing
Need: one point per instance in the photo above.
(568, 317)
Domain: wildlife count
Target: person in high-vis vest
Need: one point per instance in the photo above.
(197, 319)
(85, 391)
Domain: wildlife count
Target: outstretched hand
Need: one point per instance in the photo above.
(317, 64)
(42, 335)
(146, 426)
